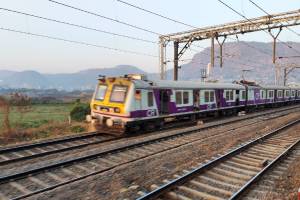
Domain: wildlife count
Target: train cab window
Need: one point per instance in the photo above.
(138, 95)
(100, 92)
(118, 94)
(271, 94)
(185, 97)
(279, 94)
(150, 99)
(178, 96)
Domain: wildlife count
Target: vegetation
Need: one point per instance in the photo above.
(20, 120)
(79, 111)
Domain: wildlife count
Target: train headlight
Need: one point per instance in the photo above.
(117, 110)
(97, 107)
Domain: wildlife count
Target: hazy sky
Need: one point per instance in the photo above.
(23, 52)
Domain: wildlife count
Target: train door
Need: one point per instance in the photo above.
(164, 101)
(237, 97)
(196, 99)
(219, 96)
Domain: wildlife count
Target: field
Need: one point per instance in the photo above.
(38, 121)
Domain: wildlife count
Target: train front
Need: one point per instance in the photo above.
(111, 102)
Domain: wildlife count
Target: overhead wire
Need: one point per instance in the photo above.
(240, 14)
(263, 10)
(76, 42)
(77, 25)
(154, 13)
(105, 17)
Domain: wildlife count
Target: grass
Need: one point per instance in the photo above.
(39, 121)
(37, 115)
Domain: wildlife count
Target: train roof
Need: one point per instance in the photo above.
(274, 87)
(168, 84)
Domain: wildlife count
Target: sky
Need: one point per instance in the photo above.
(25, 52)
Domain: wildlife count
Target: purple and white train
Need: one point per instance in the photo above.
(132, 102)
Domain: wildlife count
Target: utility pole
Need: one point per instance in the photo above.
(212, 51)
(176, 60)
(221, 49)
(274, 43)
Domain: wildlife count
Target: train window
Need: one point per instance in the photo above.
(262, 94)
(150, 99)
(293, 93)
(229, 95)
(287, 93)
(244, 94)
(212, 96)
(271, 94)
(298, 95)
(118, 94)
(178, 97)
(206, 96)
(185, 97)
(138, 95)
(279, 93)
(100, 92)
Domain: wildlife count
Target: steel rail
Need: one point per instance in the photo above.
(47, 142)
(245, 187)
(79, 137)
(4, 162)
(39, 170)
(4, 179)
(182, 179)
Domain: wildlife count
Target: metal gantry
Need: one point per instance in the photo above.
(264, 23)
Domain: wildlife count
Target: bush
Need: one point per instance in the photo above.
(79, 111)
(77, 129)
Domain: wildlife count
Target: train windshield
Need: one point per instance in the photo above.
(118, 94)
(100, 92)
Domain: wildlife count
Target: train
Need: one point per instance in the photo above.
(132, 102)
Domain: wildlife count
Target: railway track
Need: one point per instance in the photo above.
(41, 179)
(266, 184)
(55, 146)
(230, 175)
(40, 149)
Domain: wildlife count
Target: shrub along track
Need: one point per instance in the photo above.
(230, 175)
(45, 178)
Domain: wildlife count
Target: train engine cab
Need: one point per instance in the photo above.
(109, 105)
(119, 101)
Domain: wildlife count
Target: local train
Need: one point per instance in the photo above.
(134, 103)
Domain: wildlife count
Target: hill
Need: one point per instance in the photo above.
(254, 56)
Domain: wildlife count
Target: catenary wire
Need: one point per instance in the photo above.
(76, 42)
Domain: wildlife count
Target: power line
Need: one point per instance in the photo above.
(78, 26)
(154, 13)
(252, 22)
(263, 10)
(77, 42)
(104, 17)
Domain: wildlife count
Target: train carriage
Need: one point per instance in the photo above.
(132, 102)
